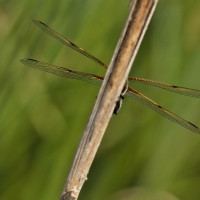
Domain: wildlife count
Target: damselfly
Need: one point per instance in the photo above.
(97, 80)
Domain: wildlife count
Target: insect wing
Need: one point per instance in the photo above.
(63, 72)
(66, 42)
(171, 88)
(160, 110)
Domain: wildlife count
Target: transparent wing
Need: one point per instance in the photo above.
(160, 110)
(63, 72)
(66, 42)
(171, 88)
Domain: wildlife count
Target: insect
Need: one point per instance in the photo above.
(97, 80)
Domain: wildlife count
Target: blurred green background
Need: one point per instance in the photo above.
(42, 117)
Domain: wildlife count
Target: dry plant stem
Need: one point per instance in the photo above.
(116, 75)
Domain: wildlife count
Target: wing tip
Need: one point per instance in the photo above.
(38, 23)
(196, 129)
(35, 21)
(26, 60)
(23, 60)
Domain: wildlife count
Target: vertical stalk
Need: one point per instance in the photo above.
(116, 76)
